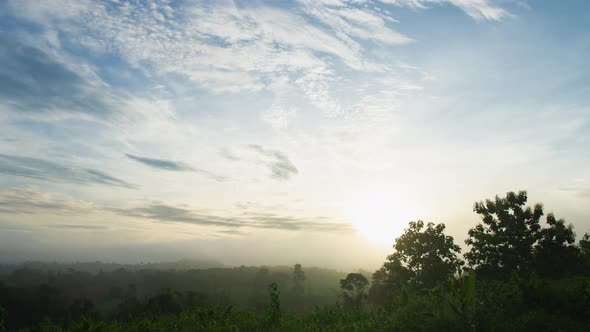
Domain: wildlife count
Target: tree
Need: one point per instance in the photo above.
(584, 247)
(503, 242)
(274, 313)
(353, 289)
(556, 254)
(298, 279)
(423, 257)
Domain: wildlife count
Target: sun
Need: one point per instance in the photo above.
(382, 216)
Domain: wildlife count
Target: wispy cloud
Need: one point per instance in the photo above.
(33, 81)
(235, 46)
(279, 164)
(16, 201)
(477, 9)
(46, 170)
(79, 227)
(164, 212)
(169, 165)
(32, 201)
(161, 164)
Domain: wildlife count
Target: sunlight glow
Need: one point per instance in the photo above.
(382, 216)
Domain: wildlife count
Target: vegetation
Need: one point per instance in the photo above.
(518, 275)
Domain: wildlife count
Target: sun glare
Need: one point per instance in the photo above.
(382, 216)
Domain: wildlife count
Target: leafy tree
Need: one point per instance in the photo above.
(423, 257)
(556, 254)
(503, 242)
(353, 289)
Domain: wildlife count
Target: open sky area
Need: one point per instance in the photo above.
(275, 132)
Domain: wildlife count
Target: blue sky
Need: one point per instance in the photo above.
(140, 130)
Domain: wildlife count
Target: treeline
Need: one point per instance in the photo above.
(523, 271)
(30, 296)
(96, 267)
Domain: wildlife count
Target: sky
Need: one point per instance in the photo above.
(275, 132)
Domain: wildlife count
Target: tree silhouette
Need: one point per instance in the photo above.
(298, 279)
(584, 246)
(423, 257)
(353, 289)
(503, 242)
(556, 254)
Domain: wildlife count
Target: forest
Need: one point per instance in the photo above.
(522, 271)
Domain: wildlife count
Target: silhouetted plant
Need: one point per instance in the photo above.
(460, 297)
(275, 304)
(424, 256)
(298, 279)
(556, 254)
(353, 288)
(503, 242)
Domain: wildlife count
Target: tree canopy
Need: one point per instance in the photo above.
(503, 242)
(423, 256)
(353, 289)
(510, 239)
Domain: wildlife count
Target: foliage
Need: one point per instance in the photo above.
(353, 289)
(298, 279)
(503, 243)
(275, 304)
(556, 254)
(423, 257)
(584, 246)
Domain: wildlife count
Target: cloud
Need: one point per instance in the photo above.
(161, 164)
(350, 21)
(164, 212)
(579, 190)
(33, 81)
(477, 9)
(79, 227)
(224, 47)
(279, 164)
(279, 117)
(174, 166)
(232, 47)
(41, 169)
(32, 201)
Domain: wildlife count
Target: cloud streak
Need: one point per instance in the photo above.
(161, 164)
(477, 9)
(40, 169)
(280, 166)
(33, 81)
(164, 212)
(175, 166)
(17, 201)
(32, 201)
(79, 227)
